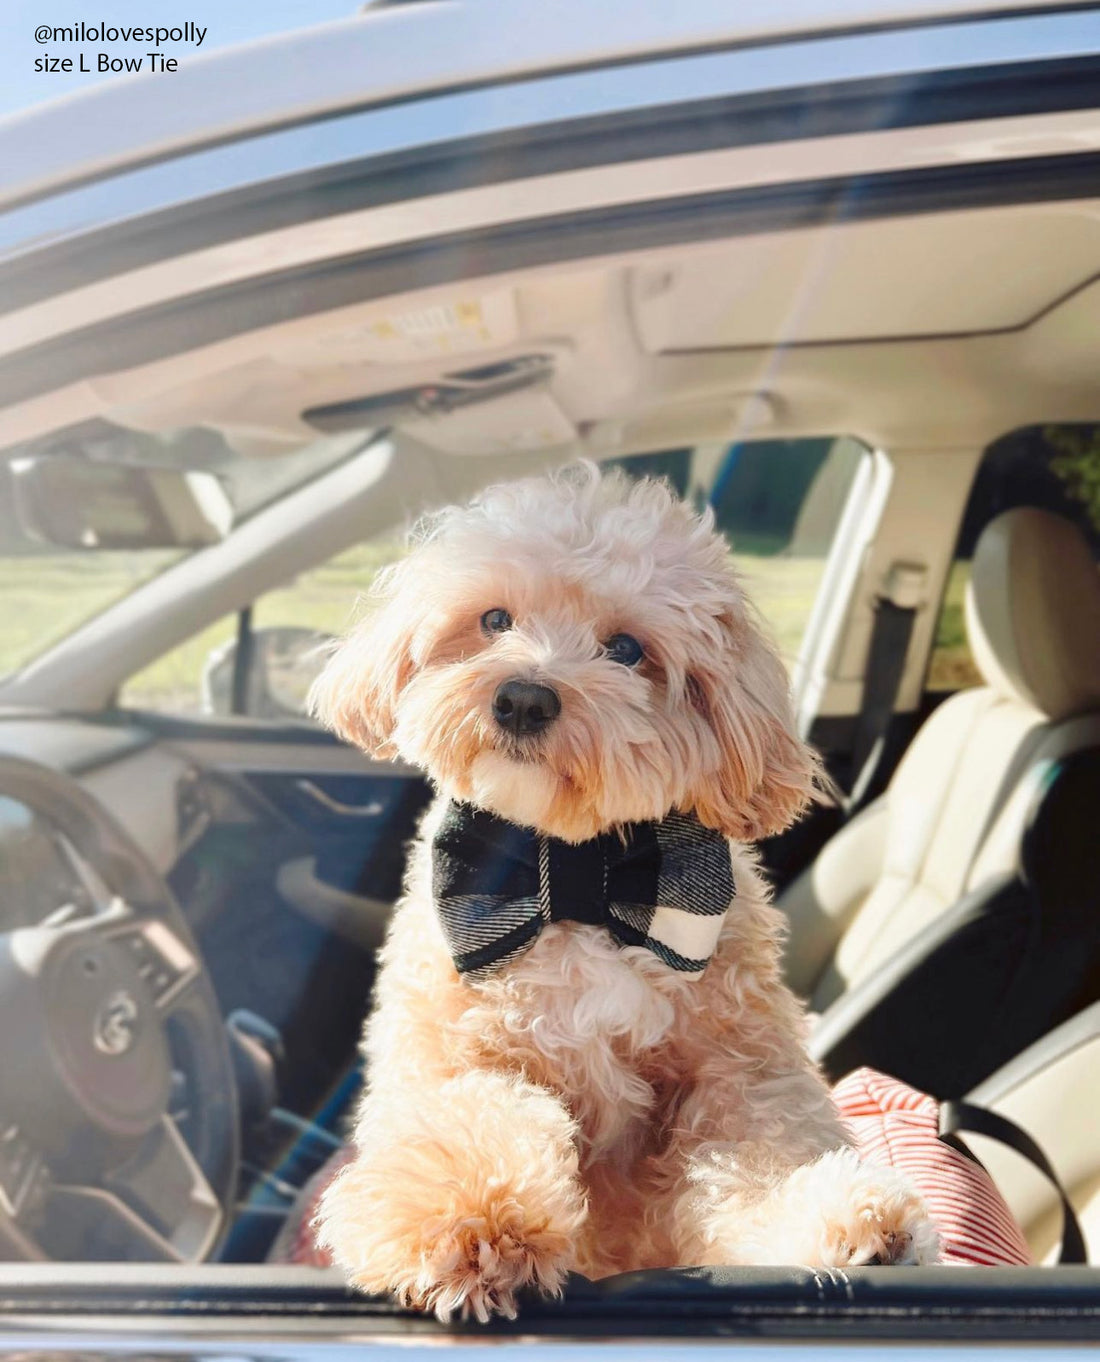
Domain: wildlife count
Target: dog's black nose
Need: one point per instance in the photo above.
(525, 706)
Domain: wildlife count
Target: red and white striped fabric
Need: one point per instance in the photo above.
(897, 1126)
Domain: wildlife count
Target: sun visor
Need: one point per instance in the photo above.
(489, 409)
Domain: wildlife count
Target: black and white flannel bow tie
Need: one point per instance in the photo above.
(665, 886)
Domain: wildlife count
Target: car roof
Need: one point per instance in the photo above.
(394, 52)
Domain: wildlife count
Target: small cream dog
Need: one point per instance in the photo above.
(574, 664)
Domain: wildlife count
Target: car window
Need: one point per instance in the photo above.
(288, 624)
(47, 596)
(386, 259)
(51, 589)
(173, 683)
(1055, 467)
(777, 501)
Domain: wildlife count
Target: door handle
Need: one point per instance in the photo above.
(337, 806)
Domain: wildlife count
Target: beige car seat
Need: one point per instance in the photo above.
(1052, 1091)
(953, 815)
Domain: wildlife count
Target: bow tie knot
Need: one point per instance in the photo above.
(665, 886)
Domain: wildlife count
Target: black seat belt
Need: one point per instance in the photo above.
(959, 1116)
(895, 614)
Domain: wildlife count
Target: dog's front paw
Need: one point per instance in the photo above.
(478, 1265)
(869, 1216)
(444, 1233)
(882, 1229)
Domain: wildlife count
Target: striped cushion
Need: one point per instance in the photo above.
(896, 1125)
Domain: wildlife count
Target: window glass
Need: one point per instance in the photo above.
(173, 683)
(47, 596)
(324, 598)
(289, 628)
(1053, 467)
(292, 624)
(779, 503)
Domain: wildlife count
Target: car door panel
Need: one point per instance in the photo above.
(290, 850)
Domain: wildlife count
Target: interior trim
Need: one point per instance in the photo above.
(242, 732)
(203, 318)
(583, 190)
(67, 742)
(830, 342)
(177, 1304)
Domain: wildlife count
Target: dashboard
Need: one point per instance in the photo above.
(119, 764)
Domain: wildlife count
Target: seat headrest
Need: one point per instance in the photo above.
(1033, 612)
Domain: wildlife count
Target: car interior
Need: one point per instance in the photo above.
(894, 416)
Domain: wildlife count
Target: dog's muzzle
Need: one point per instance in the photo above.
(525, 707)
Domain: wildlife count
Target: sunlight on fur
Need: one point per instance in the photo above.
(587, 1108)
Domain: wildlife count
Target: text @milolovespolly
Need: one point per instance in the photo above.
(143, 48)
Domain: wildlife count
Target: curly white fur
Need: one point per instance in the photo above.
(586, 1107)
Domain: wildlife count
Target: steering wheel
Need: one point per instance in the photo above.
(119, 1134)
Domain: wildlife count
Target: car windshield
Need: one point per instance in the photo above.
(50, 590)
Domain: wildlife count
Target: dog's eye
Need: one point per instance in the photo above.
(496, 621)
(624, 648)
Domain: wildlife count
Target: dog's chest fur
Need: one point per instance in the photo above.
(600, 1025)
(617, 1035)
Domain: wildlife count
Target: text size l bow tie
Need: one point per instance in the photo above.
(665, 886)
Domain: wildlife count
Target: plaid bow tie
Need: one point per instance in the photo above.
(665, 886)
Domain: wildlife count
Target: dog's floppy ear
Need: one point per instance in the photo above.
(765, 775)
(356, 694)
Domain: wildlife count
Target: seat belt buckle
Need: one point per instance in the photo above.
(905, 585)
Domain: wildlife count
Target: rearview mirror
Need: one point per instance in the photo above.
(93, 504)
